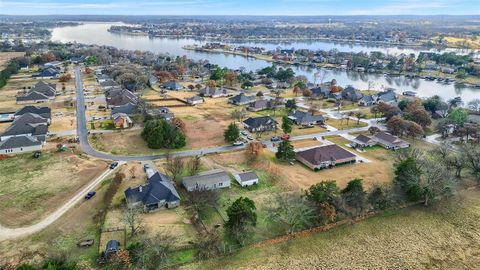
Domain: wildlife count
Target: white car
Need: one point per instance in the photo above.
(238, 143)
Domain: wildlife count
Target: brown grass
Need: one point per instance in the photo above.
(6, 56)
(42, 184)
(442, 237)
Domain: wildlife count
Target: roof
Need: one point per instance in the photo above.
(367, 98)
(351, 93)
(320, 91)
(128, 108)
(195, 98)
(386, 137)
(172, 85)
(259, 121)
(363, 138)
(387, 96)
(19, 141)
(22, 126)
(44, 112)
(158, 188)
(305, 117)
(261, 103)
(32, 96)
(325, 153)
(211, 91)
(242, 98)
(247, 176)
(206, 178)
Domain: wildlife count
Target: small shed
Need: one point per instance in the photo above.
(247, 178)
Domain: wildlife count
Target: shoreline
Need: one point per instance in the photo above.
(325, 65)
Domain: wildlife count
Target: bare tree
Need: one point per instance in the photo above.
(132, 216)
(174, 167)
(194, 165)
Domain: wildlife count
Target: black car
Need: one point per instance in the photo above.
(113, 165)
(90, 195)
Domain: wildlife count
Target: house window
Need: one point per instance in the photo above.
(220, 184)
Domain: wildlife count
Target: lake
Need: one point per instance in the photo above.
(96, 33)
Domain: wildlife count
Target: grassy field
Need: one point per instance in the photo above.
(442, 237)
(32, 187)
(6, 56)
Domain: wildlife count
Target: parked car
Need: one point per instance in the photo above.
(238, 143)
(90, 195)
(285, 137)
(275, 139)
(113, 165)
(244, 132)
(250, 137)
(86, 243)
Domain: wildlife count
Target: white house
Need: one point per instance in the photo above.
(246, 178)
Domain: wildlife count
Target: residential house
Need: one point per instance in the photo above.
(351, 94)
(245, 179)
(325, 156)
(209, 180)
(108, 84)
(367, 100)
(161, 113)
(46, 73)
(388, 97)
(20, 144)
(119, 97)
(305, 118)
(390, 141)
(194, 100)
(213, 92)
(171, 85)
(121, 120)
(321, 91)
(241, 99)
(158, 193)
(44, 112)
(128, 109)
(27, 125)
(363, 141)
(260, 124)
(40, 92)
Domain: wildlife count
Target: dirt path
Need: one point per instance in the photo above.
(8, 233)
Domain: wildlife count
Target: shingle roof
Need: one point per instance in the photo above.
(386, 137)
(44, 112)
(363, 138)
(242, 98)
(158, 188)
(305, 117)
(33, 96)
(247, 176)
(204, 178)
(255, 122)
(19, 141)
(325, 153)
(128, 108)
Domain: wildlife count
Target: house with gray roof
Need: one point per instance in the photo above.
(171, 85)
(363, 141)
(306, 118)
(44, 112)
(46, 73)
(260, 124)
(158, 193)
(388, 96)
(20, 144)
(245, 179)
(390, 141)
(194, 100)
(241, 99)
(351, 94)
(40, 92)
(367, 100)
(161, 113)
(128, 109)
(213, 92)
(27, 125)
(209, 180)
(321, 91)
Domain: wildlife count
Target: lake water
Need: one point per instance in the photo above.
(96, 33)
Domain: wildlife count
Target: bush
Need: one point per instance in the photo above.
(162, 134)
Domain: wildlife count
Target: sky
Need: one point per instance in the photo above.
(241, 7)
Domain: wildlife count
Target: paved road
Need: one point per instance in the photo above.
(82, 134)
(8, 233)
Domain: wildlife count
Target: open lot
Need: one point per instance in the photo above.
(6, 56)
(31, 188)
(443, 237)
